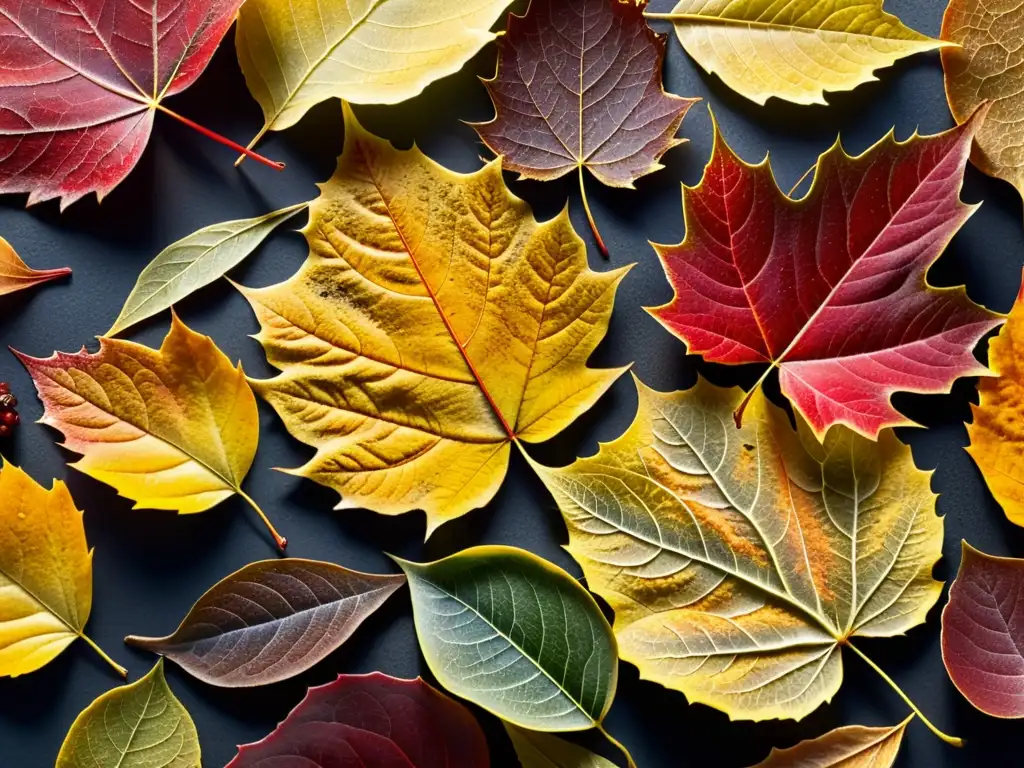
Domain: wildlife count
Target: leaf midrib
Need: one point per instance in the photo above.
(697, 19)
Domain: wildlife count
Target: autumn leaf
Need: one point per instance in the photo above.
(987, 65)
(45, 574)
(793, 51)
(195, 261)
(830, 289)
(854, 746)
(983, 633)
(435, 323)
(174, 428)
(739, 562)
(579, 86)
(297, 54)
(996, 433)
(542, 750)
(15, 274)
(376, 721)
(82, 82)
(141, 725)
(271, 620)
(517, 636)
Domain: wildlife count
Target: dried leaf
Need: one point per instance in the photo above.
(15, 274)
(542, 750)
(579, 85)
(434, 321)
(174, 428)
(45, 574)
(83, 80)
(271, 620)
(373, 721)
(739, 561)
(794, 51)
(831, 289)
(141, 725)
(297, 54)
(989, 67)
(515, 635)
(983, 632)
(184, 267)
(854, 746)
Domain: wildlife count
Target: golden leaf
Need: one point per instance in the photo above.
(45, 574)
(174, 428)
(16, 275)
(434, 322)
(740, 561)
(854, 746)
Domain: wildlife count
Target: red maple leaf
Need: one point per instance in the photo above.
(831, 289)
(80, 81)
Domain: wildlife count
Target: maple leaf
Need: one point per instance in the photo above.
(739, 562)
(380, 721)
(986, 64)
(174, 428)
(297, 54)
(793, 51)
(983, 633)
(830, 289)
(853, 746)
(15, 274)
(434, 324)
(579, 86)
(81, 83)
(45, 574)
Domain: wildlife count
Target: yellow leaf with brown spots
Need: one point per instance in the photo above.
(997, 432)
(740, 561)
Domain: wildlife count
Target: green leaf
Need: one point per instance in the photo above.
(141, 725)
(542, 750)
(184, 267)
(515, 635)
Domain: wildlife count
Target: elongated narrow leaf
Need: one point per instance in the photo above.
(740, 561)
(515, 635)
(201, 258)
(15, 274)
(854, 746)
(983, 632)
(831, 289)
(796, 50)
(435, 321)
(371, 721)
(542, 750)
(271, 620)
(141, 725)
(302, 52)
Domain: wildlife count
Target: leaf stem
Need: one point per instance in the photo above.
(618, 745)
(281, 541)
(737, 415)
(801, 180)
(590, 218)
(117, 667)
(253, 143)
(221, 139)
(953, 740)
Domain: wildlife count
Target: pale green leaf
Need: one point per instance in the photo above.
(542, 750)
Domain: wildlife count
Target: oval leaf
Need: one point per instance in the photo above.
(854, 746)
(373, 721)
(16, 275)
(983, 632)
(542, 750)
(141, 725)
(517, 636)
(184, 267)
(271, 621)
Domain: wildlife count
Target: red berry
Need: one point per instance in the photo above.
(5, 431)
(5, 388)
(9, 419)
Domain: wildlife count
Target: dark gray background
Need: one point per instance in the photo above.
(151, 566)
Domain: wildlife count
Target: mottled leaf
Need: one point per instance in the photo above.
(983, 632)
(515, 635)
(854, 746)
(271, 620)
(831, 289)
(542, 750)
(371, 721)
(15, 274)
(141, 725)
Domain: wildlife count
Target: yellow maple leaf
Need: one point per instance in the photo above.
(740, 561)
(174, 428)
(45, 574)
(434, 323)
